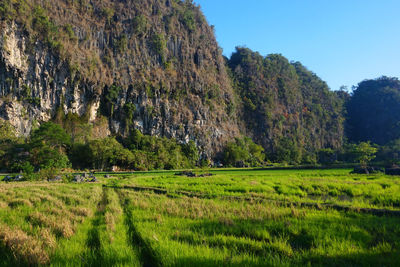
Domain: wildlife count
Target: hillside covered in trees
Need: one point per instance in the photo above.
(374, 111)
(285, 107)
(144, 83)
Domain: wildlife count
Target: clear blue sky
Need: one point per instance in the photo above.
(342, 41)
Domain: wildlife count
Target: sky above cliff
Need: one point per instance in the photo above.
(342, 41)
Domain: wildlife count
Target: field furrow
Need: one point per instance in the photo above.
(226, 218)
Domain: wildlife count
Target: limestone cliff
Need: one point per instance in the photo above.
(147, 64)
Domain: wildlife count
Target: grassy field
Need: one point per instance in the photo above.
(233, 218)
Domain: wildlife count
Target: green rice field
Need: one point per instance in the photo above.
(227, 217)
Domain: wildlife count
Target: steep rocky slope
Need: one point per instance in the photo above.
(285, 107)
(113, 66)
(146, 64)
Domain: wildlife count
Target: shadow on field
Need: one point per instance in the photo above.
(197, 261)
(247, 236)
(7, 258)
(147, 256)
(302, 241)
(94, 256)
(348, 260)
(356, 259)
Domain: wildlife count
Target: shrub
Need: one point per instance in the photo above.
(107, 13)
(122, 43)
(111, 98)
(188, 19)
(159, 45)
(243, 151)
(288, 151)
(140, 25)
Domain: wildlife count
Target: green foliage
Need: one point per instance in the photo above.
(288, 151)
(47, 146)
(111, 98)
(390, 153)
(43, 157)
(51, 147)
(7, 10)
(28, 171)
(129, 109)
(80, 156)
(326, 156)
(140, 25)
(108, 152)
(70, 32)
(46, 29)
(161, 153)
(122, 44)
(365, 153)
(113, 93)
(26, 91)
(243, 152)
(47, 173)
(108, 13)
(77, 127)
(7, 141)
(52, 135)
(7, 132)
(230, 108)
(309, 157)
(287, 108)
(374, 111)
(33, 100)
(188, 18)
(159, 45)
(191, 152)
(27, 95)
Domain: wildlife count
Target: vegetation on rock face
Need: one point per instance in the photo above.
(374, 111)
(285, 107)
(161, 55)
(117, 68)
(8, 139)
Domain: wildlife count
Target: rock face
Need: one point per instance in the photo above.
(155, 65)
(148, 64)
(286, 108)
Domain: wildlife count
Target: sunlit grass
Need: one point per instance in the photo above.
(233, 218)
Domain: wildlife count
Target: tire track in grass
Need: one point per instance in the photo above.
(147, 256)
(94, 257)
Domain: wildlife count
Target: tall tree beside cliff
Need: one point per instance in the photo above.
(374, 111)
